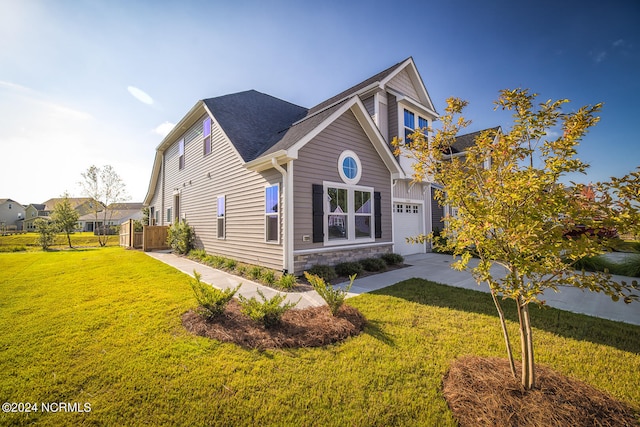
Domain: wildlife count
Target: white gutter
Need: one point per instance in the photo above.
(287, 212)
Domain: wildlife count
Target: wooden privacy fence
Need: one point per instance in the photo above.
(129, 238)
(155, 237)
(151, 238)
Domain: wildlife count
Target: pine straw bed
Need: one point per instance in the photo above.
(482, 392)
(309, 327)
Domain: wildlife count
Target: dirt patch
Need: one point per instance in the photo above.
(482, 392)
(309, 327)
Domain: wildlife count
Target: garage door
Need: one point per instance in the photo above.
(407, 222)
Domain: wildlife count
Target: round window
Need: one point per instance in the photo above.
(349, 167)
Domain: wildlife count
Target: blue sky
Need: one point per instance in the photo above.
(99, 82)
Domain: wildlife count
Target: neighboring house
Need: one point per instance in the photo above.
(11, 215)
(83, 205)
(122, 212)
(268, 182)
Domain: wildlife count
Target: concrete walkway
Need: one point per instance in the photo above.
(434, 267)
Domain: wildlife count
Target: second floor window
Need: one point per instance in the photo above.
(206, 131)
(410, 124)
(181, 154)
(221, 217)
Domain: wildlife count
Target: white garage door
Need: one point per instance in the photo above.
(407, 222)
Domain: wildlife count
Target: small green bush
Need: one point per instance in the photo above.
(349, 268)
(326, 272)
(334, 297)
(47, 231)
(230, 264)
(254, 272)
(180, 237)
(287, 281)
(198, 254)
(268, 277)
(267, 311)
(373, 264)
(241, 270)
(393, 259)
(212, 300)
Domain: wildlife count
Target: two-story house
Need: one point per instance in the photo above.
(268, 182)
(11, 215)
(83, 205)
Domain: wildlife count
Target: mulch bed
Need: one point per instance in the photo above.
(482, 392)
(309, 327)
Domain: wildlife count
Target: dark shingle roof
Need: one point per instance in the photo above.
(465, 141)
(354, 89)
(253, 120)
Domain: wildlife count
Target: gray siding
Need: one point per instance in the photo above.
(402, 83)
(369, 105)
(202, 180)
(393, 116)
(318, 162)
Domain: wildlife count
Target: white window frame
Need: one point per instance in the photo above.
(351, 214)
(343, 176)
(221, 232)
(416, 121)
(267, 215)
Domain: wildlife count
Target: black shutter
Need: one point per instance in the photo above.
(318, 213)
(377, 207)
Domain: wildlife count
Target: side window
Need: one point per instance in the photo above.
(181, 154)
(221, 217)
(271, 212)
(168, 215)
(206, 131)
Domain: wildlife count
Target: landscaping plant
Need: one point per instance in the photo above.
(47, 231)
(513, 208)
(180, 237)
(269, 311)
(65, 217)
(333, 296)
(212, 300)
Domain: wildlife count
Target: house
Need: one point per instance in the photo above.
(83, 205)
(11, 215)
(268, 182)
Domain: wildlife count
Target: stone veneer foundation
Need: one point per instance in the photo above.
(305, 261)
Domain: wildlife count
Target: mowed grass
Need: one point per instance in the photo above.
(102, 326)
(28, 241)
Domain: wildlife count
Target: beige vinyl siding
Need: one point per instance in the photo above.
(318, 162)
(221, 173)
(403, 84)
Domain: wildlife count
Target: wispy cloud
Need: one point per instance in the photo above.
(140, 95)
(40, 99)
(618, 43)
(164, 128)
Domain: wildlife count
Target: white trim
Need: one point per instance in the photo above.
(278, 213)
(345, 178)
(350, 215)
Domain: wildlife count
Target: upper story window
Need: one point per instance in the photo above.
(206, 131)
(410, 124)
(181, 154)
(349, 167)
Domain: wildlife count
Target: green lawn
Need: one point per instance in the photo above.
(102, 326)
(28, 241)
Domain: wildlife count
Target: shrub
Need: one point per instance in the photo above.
(241, 270)
(212, 300)
(198, 254)
(254, 272)
(287, 281)
(349, 268)
(326, 272)
(268, 277)
(230, 264)
(630, 266)
(334, 297)
(267, 311)
(393, 259)
(180, 237)
(373, 264)
(215, 261)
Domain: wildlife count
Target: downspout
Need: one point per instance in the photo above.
(287, 213)
(162, 211)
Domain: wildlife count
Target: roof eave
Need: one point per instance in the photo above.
(265, 162)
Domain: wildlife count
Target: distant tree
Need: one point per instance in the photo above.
(65, 217)
(105, 186)
(512, 208)
(47, 231)
(145, 215)
(625, 197)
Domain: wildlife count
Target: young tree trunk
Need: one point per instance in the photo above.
(505, 333)
(526, 342)
(69, 240)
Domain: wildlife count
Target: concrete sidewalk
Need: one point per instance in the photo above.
(430, 266)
